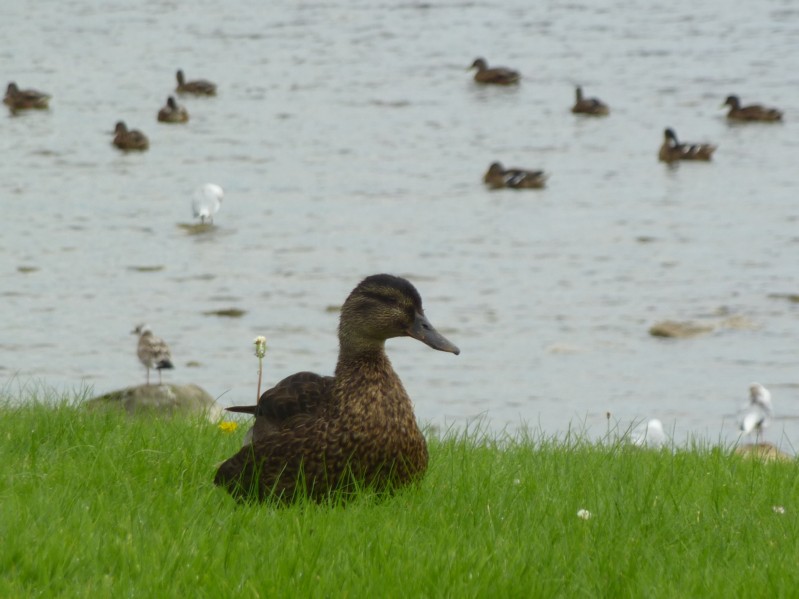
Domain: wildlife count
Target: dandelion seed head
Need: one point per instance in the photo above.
(778, 509)
(260, 346)
(584, 514)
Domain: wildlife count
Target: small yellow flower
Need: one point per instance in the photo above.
(228, 426)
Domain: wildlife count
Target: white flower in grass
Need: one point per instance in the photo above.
(584, 514)
(778, 509)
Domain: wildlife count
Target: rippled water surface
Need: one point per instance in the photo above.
(350, 139)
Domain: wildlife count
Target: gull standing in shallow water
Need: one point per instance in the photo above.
(153, 351)
(756, 414)
(206, 202)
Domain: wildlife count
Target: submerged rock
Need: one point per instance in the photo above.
(687, 328)
(672, 328)
(167, 400)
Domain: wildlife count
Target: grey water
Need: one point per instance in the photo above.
(350, 139)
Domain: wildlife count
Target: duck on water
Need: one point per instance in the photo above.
(315, 434)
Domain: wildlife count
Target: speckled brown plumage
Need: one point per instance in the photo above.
(672, 150)
(316, 434)
(172, 112)
(132, 139)
(590, 106)
(752, 112)
(498, 177)
(494, 75)
(25, 99)
(198, 87)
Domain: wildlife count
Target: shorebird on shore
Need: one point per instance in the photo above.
(153, 351)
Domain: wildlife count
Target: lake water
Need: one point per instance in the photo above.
(350, 139)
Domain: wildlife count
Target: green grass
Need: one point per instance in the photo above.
(97, 504)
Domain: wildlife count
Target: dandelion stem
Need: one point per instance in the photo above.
(260, 351)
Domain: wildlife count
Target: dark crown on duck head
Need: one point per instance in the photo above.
(385, 306)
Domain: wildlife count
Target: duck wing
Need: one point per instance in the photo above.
(282, 437)
(299, 394)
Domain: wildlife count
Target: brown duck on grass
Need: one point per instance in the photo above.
(25, 99)
(172, 112)
(198, 87)
(495, 75)
(672, 150)
(497, 177)
(129, 140)
(753, 112)
(315, 434)
(590, 106)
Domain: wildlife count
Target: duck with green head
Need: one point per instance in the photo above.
(315, 435)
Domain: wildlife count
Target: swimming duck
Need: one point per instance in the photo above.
(24, 99)
(198, 87)
(129, 140)
(172, 113)
(496, 75)
(590, 106)
(317, 434)
(753, 112)
(497, 177)
(153, 351)
(672, 150)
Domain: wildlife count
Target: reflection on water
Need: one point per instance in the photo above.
(351, 139)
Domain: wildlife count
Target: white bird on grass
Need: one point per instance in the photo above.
(756, 414)
(652, 435)
(206, 202)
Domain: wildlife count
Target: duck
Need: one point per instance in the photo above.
(497, 177)
(753, 112)
(132, 139)
(206, 202)
(152, 351)
(590, 106)
(756, 414)
(495, 75)
(25, 99)
(672, 150)
(172, 112)
(198, 87)
(315, 436)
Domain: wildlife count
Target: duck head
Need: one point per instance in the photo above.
(480, 64)
(382, 307)
(733, 102)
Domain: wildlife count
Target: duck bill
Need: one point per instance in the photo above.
(425, 332)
